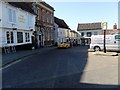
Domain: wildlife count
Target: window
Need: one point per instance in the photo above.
(27, 37)
(48, 38)
(47, 17)
(20, 37)
(11, 16)
(95, 33)
(117, 37)
(82, 33)
(51, 19)
(29, 20)
(89, 34)
(43, 17)
(38, 13)
(10, 38)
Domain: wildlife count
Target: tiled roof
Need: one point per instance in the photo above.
(61, 23)
(89, 26)
(23, 6)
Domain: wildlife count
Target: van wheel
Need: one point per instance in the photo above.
(97, 48)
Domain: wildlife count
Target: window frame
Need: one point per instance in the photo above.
(9, 37)
(27, 37)
(20, 37)
(12, 15)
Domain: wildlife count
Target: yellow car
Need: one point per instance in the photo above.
(63, 45)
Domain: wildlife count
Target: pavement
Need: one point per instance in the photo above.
(108, 53)
(101, 69)
(12, 57)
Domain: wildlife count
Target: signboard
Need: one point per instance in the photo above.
(104, 26)
(21, 18)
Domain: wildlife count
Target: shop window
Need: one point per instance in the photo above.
(10, 37)
(27, 37)
(20, 37)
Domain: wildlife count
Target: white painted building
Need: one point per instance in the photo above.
(63, 35)
(75, 36)
(62, 31)
(88, 29)
(16, 25)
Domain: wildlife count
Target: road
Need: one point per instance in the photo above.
(62, 68)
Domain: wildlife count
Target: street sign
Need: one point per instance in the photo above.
(104, 26)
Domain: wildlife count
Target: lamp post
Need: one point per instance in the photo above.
(104, 28)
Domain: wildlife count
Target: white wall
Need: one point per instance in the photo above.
(63, 34)
(99, 32)
(21, 23)
(21, 18)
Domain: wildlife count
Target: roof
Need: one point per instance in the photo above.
(47, 5)
(89, 26)
(61, 23)
(23, 6)
(112, 31)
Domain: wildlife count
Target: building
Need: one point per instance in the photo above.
(119, 15)
(115, 30)
(75, 37)
(62, 31)
(44, 23)
(17, 23)
(88, 29)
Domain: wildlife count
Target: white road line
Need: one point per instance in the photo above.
(10, 64)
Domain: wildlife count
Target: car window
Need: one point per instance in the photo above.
(117, 37)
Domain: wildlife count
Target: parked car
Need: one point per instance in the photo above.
(64, 45)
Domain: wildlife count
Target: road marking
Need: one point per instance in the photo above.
(10, 64)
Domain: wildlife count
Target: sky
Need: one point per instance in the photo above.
(86, 12)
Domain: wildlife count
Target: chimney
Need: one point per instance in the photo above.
(115, 26)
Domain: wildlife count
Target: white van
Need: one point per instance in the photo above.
(112, 42)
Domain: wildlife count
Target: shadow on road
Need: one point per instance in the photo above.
(56, 68)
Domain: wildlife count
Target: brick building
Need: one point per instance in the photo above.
(44, 23)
